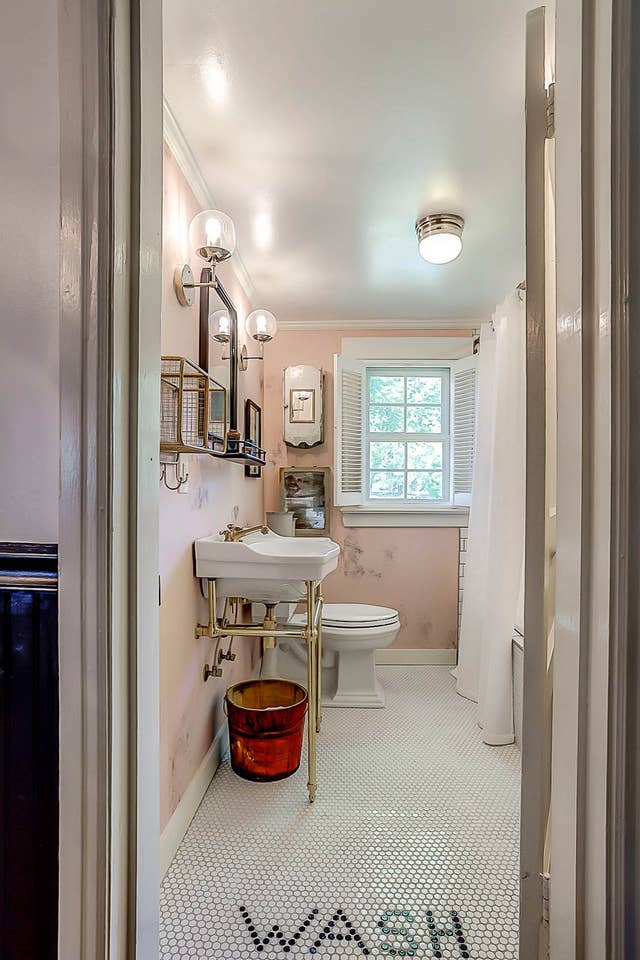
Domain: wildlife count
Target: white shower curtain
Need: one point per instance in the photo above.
(496, 525)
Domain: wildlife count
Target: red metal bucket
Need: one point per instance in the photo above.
(266, 726)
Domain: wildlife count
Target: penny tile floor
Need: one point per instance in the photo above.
(410, 850)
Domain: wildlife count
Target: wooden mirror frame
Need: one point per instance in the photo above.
(207, 277)
(250, 406)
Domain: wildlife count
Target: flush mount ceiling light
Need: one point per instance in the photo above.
(440, 237)
(212, 236)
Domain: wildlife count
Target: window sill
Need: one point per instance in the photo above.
(437, 515)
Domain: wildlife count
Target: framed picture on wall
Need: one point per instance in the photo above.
(302, 406)
(305, 492)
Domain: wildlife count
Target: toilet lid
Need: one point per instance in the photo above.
(357, 615)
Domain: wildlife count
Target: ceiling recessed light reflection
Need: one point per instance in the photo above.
(215, 80)
(263, 231)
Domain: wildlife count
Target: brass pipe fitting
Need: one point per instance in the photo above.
(269, 625)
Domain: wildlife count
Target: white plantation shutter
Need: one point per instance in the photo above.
(464, 406)
(348, 380)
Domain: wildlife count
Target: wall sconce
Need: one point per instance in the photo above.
(212, 236)
(262, 326)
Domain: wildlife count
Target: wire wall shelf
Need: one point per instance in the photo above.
(193, 415)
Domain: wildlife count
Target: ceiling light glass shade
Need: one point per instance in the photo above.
(220, 326)
(261, 325)
(212, 236)
(440, 237)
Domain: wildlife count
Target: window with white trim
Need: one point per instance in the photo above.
(404, 433)
(406, 439)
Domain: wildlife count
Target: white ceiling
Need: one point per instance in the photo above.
(333, 124)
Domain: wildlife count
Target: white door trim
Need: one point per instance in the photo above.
(623, 805)
(583, 142)
(84, 509)
(144, 427)
(110, 58)
(536, 733)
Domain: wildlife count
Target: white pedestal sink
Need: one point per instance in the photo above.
(265, 567)
(268, 568)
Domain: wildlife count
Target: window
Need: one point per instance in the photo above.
(407, 442)
(404, 437)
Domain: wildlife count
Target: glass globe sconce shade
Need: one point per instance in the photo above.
(212, 236)
(261, 325)
(220, 326)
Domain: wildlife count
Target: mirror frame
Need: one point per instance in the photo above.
(212, 283)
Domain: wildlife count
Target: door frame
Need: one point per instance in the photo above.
(623, 794)
(111, 130)
(84, 508)
(110, 72)
(536, 731)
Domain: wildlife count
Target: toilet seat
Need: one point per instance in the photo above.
(354, 616)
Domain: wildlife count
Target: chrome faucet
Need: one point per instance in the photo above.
(233, 534)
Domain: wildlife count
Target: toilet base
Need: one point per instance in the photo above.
(351, 635)
(357, 698)
(355, 680)
(347, 681)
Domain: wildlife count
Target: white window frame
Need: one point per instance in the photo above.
(444, 437)
(393, 513)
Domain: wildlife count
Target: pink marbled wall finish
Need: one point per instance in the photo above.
(190, 710)
(414, 570)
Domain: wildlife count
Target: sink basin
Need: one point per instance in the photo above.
(265, 567)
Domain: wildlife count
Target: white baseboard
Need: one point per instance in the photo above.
(174, 832)
(408, 656)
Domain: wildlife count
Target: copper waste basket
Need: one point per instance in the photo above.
(266, 726)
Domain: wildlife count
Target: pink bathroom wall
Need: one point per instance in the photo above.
(414, 570)
(190, 710)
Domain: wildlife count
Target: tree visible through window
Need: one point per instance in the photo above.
(407, 440)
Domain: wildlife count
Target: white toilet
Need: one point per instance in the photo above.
(351, 634)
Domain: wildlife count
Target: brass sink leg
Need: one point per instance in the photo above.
(269, 631)
(310, 635)
(319, 663)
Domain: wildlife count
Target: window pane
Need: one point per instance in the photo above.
(424, 419)
(424, 456)
(424, 390)
(386, 390)
(386, 419)
(386, 456)
(424, 486)
(386, 485)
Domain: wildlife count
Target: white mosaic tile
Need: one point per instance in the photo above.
(411, 848)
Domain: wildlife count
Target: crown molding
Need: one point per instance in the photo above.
(397, 324)
(179, 147)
